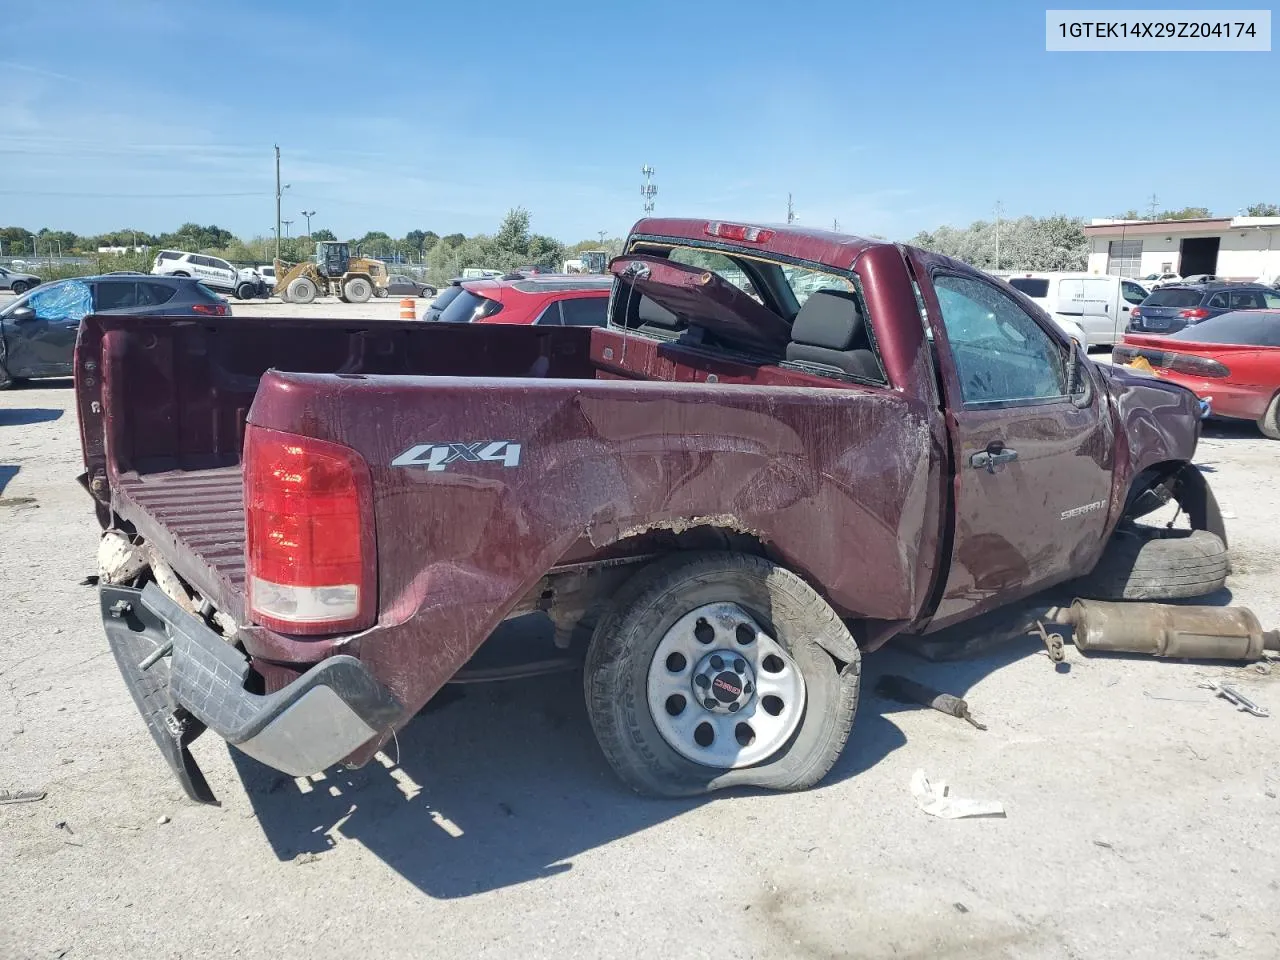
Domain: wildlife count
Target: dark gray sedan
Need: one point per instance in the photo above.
(38, 330)
(399, 285)
(17, 282)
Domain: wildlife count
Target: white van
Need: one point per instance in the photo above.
(1099, 304)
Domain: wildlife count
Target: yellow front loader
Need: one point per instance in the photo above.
(334, 271)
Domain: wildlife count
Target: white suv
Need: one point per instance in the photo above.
(212, 271)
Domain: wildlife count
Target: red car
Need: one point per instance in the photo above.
(558, 300)
(1232, 361)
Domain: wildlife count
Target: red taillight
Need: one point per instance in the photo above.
(309, 518)
(1135, 313)
(1195, 366)
(739, 231)
(1195, 313)
(210, 309)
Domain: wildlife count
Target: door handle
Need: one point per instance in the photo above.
(992, 457)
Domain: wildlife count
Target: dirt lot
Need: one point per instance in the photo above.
(1142, 814)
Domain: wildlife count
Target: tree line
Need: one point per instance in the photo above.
(512, 245)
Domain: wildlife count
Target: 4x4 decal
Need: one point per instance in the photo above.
(437, 456)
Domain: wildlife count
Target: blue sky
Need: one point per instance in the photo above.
(888, 117)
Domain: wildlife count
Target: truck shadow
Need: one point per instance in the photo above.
(502, 786)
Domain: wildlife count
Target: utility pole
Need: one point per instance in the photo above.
(601, 234)
(1152, 206)
(278, 192)
(791, 210)
(308, 214)
(999, 210)
(648, 189)
(835, 226)
(286, 228)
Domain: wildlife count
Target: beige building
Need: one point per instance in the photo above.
(1234, 248)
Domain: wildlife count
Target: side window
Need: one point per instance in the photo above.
(717, 263)
(1132, 292)
(69, 300)
(1272, 300)
(585, 311)
(154, 294)
(221, 265)
(550, 317)
(1218, 301)
(1001, 354)
(1247, 300)
(116, 295)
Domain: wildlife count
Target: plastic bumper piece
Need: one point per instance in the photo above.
(317, 720)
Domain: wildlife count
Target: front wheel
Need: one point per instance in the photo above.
(1269, 422)
(717, 670)
(246, 291)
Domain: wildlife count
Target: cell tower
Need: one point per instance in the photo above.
(648, 189)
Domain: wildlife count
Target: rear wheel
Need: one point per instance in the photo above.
(713, 670)
(20, 287)
(302, 290)
(1269, 422)
(358, 290)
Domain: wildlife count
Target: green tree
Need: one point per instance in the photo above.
(1186, 213)
(1262, 210)
(323, 234)
(192, 236)
(513, 233)
(452, 239)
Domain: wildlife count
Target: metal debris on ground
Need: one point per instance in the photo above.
(1230, 693)
(934, 798)
(1169, 630)
(1054, 645)
(21, 796)
(906, 690)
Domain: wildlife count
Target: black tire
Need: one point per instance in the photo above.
(179, 273)
(358, 290)
(1269, 422)
(6, 381)
(631, 628)
(20, 287)
(1152, 563)
(246, 291)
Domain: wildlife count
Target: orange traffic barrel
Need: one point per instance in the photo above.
(408, 309)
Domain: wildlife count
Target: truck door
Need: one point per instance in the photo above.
(1034, 444)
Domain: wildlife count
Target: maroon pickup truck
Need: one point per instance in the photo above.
(787, 447)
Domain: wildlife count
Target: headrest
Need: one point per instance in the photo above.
(831, 319)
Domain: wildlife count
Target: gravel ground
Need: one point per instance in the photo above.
(1142, 814)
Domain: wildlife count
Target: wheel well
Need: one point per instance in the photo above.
(1183, 483)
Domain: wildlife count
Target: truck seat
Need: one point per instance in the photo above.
(831, 331)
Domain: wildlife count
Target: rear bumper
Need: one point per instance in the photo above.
(316, 721)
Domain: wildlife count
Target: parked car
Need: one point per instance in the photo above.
(1100, 304)
(38, 330)
(443, 299)
(214, 272)
(723, 500)
(1171, 308)
(1231, 360)
(19, 283)
(1153, 280)
(545, 300)
(400, 285)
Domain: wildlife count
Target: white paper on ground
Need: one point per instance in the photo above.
(934, 798)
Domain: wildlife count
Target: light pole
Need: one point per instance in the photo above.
(308, 214)
(601, 234)
(279, 193)
(648, 189)
(286, 227)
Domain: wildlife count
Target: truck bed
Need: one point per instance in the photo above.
(196, 518)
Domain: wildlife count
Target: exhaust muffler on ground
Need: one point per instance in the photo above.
(1166, 630)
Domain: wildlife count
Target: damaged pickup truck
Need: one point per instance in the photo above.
(787, 447)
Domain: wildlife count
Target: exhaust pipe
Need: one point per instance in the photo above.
(1165, 630)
